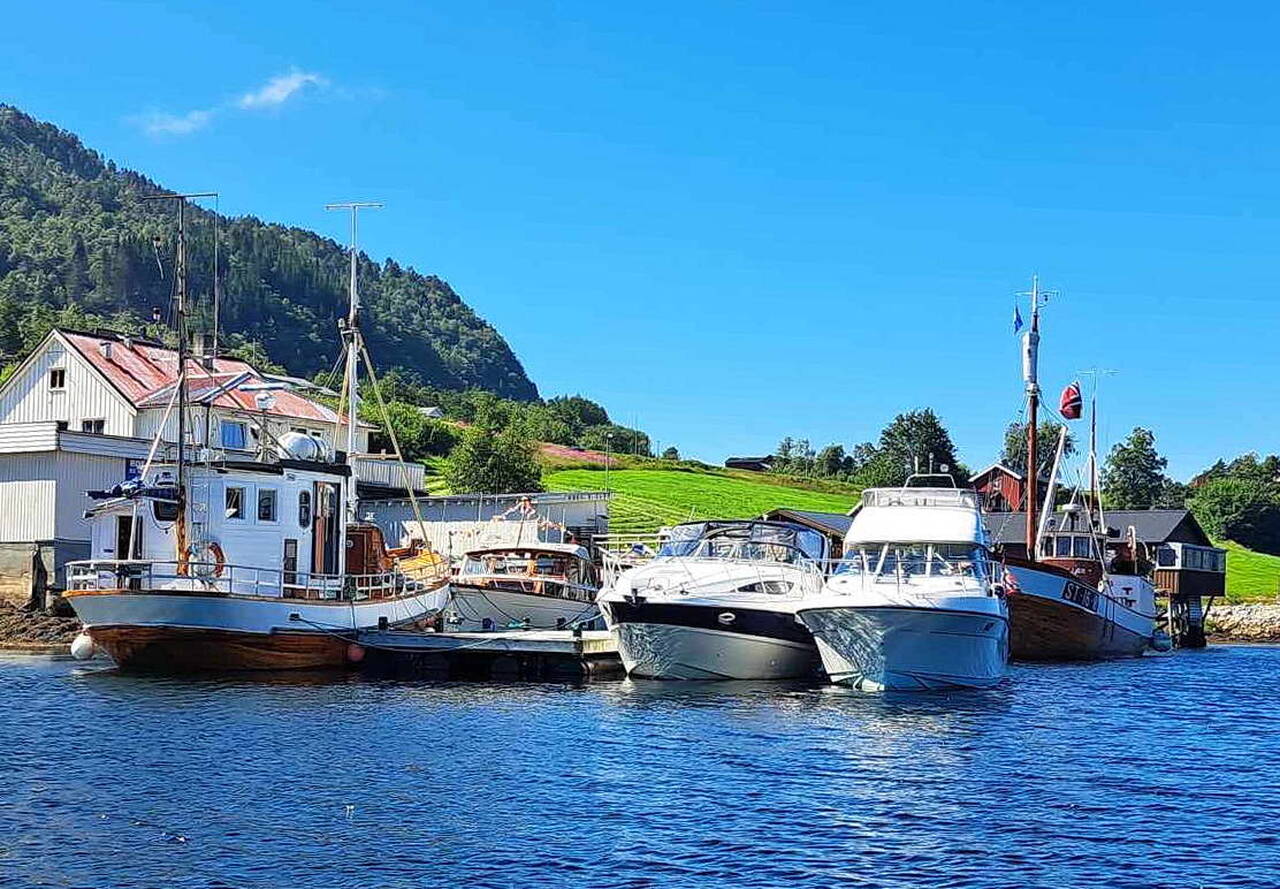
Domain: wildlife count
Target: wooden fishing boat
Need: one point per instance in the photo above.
(213, 560)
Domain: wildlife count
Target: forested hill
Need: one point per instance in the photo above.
(76, 249)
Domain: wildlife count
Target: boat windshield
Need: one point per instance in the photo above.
(914, 560)
(756, 541)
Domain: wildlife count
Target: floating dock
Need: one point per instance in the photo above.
(529, 655)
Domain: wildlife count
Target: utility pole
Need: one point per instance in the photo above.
(180, 327)
(351, 337)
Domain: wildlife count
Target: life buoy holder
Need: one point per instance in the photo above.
(214, 550)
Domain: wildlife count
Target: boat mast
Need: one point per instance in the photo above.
(180, 328)
(1030, 357)
(353, 345)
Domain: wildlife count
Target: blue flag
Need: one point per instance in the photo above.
(1017, 320)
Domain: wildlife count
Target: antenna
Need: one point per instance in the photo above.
(351, 335)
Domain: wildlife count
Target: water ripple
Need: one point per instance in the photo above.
(1134, 774)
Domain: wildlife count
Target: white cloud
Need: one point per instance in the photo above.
(272, 94)
(160, 123)
(279, 90)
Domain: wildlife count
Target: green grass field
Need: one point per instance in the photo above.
(1251, 576)
(646, 499)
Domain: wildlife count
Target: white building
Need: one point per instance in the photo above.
(453, 524)
(80, 414)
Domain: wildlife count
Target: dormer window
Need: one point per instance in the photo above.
(57, 379)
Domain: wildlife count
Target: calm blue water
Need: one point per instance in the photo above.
(1163, 772)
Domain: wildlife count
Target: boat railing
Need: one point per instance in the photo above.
(985, 571)
(910, 497)
(207, 578)
(535, 584)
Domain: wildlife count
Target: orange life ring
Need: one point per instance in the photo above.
(214, 550)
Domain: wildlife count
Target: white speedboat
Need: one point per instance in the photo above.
(719, 602)
(912, 604)
(532, 586)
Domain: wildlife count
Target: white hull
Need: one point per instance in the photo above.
(245, 614)
(665, 651)
(877, 648)
(470, 607)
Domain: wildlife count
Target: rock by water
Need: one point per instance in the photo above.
(1244, 623)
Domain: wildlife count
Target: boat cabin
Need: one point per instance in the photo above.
(276, 529)
(559, 569)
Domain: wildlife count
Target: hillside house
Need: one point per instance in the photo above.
(80, 414)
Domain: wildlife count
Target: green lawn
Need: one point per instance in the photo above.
(1251, 576)
(646, 499)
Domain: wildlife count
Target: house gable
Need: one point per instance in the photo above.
(85, 394)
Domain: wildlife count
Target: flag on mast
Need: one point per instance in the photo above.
(1017, 320)
(1072, 403)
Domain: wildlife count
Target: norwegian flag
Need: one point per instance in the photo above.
(1010, 582)
(1072, 403)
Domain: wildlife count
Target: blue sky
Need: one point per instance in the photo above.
(739, 221)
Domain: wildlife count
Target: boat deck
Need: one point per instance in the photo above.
(537, 655)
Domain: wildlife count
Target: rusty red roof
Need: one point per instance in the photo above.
(146, 373)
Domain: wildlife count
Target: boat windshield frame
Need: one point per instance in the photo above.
(695, 540)
(917, 559)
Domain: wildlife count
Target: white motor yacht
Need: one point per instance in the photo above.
(719, 602)
(912, 604)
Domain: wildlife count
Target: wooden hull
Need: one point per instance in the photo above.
(1042, 629)
(197, 650)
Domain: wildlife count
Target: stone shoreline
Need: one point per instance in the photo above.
(1244, 623)
(35, 631)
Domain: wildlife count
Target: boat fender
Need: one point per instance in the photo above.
(82, 647)
(355, 653)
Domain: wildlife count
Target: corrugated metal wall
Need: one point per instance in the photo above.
(28, 493)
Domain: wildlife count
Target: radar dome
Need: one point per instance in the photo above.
(300, 446)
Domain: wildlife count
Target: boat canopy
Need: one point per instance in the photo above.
(934, 515)
(686, 539)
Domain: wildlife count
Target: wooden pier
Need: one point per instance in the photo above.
(527, 655)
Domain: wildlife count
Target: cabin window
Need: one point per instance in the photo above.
(1062, 547)
(235, 503)
(1166, 557)
(266, 504)
(57, 379)
(233, 434)
(1081, 548)
(304, 509)
(165, 510)
(97, 427)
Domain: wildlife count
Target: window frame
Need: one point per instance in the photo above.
(242, 518)
(223, 424)
(61, 374)
(275, 505)
(100, 422)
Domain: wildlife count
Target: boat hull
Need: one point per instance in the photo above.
(697, 641)
(166, 630)
(877, 648)
(174, 649)
(470, 606)
(1053, 617)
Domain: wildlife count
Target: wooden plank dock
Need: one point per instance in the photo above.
(527, 655)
